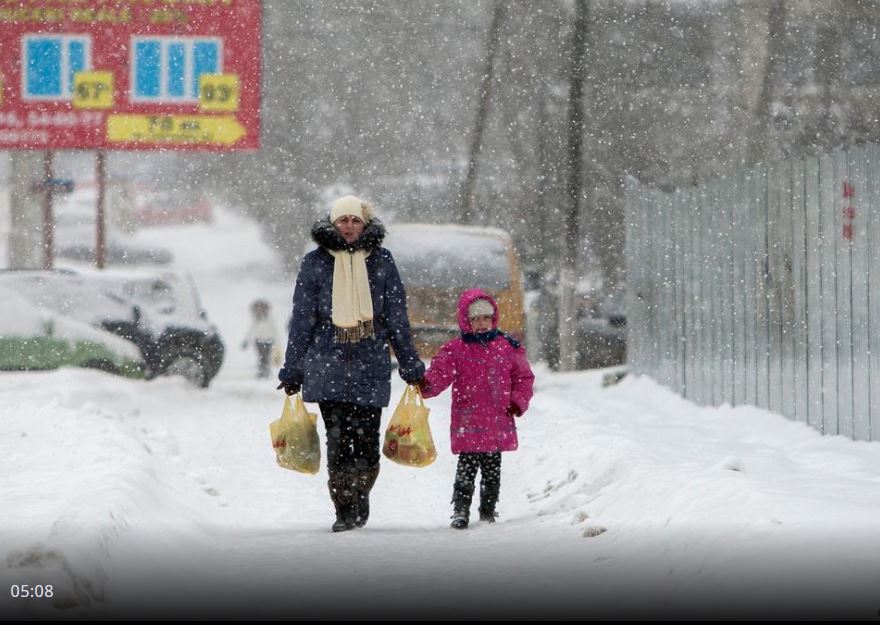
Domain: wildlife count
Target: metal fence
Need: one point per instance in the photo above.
(763, 288)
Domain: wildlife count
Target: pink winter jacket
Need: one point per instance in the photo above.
(486, 380)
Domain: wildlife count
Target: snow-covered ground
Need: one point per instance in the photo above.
(156, 499)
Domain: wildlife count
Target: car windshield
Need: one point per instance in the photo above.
(170, 296)
(441, 257)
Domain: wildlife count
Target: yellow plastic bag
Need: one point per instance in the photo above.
(295, 438)
(408, 438)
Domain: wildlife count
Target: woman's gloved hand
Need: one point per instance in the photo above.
(291, 388)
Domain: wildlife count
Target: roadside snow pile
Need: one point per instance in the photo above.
(79, 498)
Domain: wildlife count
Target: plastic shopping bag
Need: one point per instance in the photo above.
(408, 438)
(295, 438)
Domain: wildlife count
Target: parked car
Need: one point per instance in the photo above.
(598, 329)
(36, 338)
(157, 312)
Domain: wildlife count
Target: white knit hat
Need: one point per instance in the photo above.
(479, 307)
(351, 205)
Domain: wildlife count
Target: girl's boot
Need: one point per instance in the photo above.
(488, 499)
(462, 495)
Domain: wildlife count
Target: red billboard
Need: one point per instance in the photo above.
(130, 74)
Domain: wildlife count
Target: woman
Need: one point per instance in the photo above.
(348, 304)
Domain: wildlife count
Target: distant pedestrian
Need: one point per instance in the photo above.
(491, 385)
(263, 332)
(349, 304)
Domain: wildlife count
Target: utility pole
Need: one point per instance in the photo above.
(48, 218)
(100, 212)
(571, 250)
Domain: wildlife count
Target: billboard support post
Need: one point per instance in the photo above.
(48, 220)
(100, 213)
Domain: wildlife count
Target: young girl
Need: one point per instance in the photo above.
(491, 384)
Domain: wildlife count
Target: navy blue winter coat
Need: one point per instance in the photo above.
(357, 373)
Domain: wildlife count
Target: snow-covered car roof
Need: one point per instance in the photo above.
(450, 255)
(94, 296)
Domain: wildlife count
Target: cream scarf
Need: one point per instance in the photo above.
(352, 303)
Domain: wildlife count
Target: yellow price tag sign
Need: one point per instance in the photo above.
(218, 92)
(223, 130)
(93, 90)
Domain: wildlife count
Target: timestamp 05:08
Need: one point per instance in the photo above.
(31, 591)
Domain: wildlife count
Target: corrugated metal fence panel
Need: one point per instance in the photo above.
(855, 212)
(788, 290)
(725, 225)
(799, 294)
(689, 260)
(703, 302)
(713, 278)
(666, 296)
(639, 287)
(872, 193)
(651, 286)
(739, 243)
(671, 286)
(774, 279)
(635, 208)
(749, 279)
(844, 301)
(654, 286)
(635, 321)
(814, 298)
(679, 237)
(827, 185)
(762, 328)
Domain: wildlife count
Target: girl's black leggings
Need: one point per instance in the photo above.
(489, 465)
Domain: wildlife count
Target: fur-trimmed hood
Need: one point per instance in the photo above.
(325, 235)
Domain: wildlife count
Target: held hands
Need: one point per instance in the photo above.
(291, 388)
(513, 411)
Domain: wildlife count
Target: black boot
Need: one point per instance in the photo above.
(363, 484)
(342, 494)
(488, 499)
(462, 494)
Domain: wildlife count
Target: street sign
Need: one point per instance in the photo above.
(130, 75)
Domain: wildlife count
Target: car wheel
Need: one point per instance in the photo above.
(190, 367)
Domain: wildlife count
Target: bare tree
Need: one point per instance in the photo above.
(758, 144)
(568, 271)
(470, 179)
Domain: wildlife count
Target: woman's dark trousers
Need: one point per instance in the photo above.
(352, 460)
